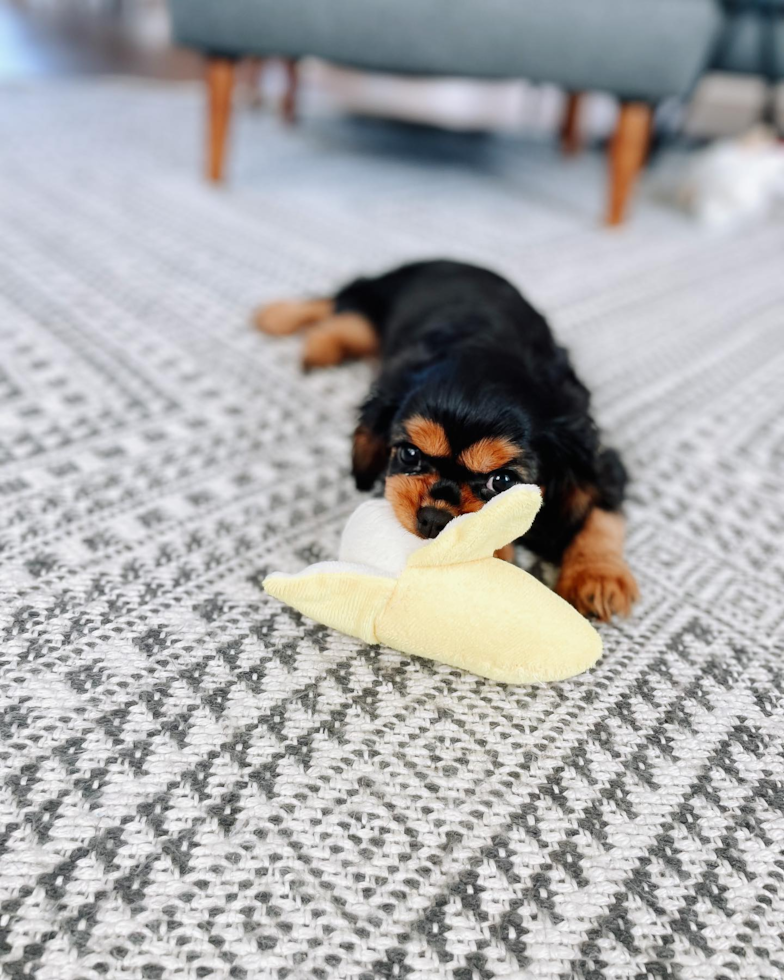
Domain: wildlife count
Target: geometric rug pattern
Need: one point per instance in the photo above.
(196, 782)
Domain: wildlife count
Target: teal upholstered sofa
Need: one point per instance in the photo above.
(639, 50)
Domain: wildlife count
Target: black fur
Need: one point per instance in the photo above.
(461, 346)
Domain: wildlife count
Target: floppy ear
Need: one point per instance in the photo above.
(368, 456)
(567, 448)
(371, 438)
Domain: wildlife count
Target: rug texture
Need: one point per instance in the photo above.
(198, 783)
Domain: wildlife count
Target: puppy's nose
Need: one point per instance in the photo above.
(431, 521)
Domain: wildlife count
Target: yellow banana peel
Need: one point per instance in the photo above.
(449, 599)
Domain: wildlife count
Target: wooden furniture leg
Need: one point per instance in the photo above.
(627, 152)
(220, 85)
(570, 127)
(288, 105)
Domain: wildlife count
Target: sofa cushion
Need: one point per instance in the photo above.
(634, 48)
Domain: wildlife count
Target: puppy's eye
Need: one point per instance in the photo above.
(409, 456)
(499, 482)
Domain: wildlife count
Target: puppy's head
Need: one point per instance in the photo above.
(452, 443)
(439, 468)
(449, 438)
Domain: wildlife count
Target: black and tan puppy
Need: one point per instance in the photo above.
(474, 395)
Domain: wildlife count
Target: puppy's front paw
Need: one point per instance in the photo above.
(602, 587)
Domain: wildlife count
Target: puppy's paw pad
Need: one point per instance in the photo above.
(278, 319)
(601, 589)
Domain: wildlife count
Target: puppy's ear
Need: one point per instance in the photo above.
(368, 456)
(568, 447)
(371, 439)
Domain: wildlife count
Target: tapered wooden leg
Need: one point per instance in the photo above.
(288, 104)
(220, 84)
(627, 152)
(570, 127)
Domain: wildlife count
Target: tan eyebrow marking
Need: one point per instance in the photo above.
(428, 436)
(488, 454)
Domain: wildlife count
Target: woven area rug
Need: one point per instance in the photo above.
(196, 782)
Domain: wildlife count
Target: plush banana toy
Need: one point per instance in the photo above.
(448, 599)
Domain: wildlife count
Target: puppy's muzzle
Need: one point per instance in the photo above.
(431, 521)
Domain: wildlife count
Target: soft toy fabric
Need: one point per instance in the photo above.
(448, 599)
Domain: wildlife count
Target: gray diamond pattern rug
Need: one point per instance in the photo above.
(198, 783)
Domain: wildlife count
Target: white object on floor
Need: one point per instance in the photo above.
(374, 536)
(735, 180)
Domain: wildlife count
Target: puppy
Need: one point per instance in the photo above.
(474, 395)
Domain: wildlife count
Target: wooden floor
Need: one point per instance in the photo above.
(86, 37)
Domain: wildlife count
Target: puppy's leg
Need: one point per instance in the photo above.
(287, 317)
(337, 339)
(594, 575)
